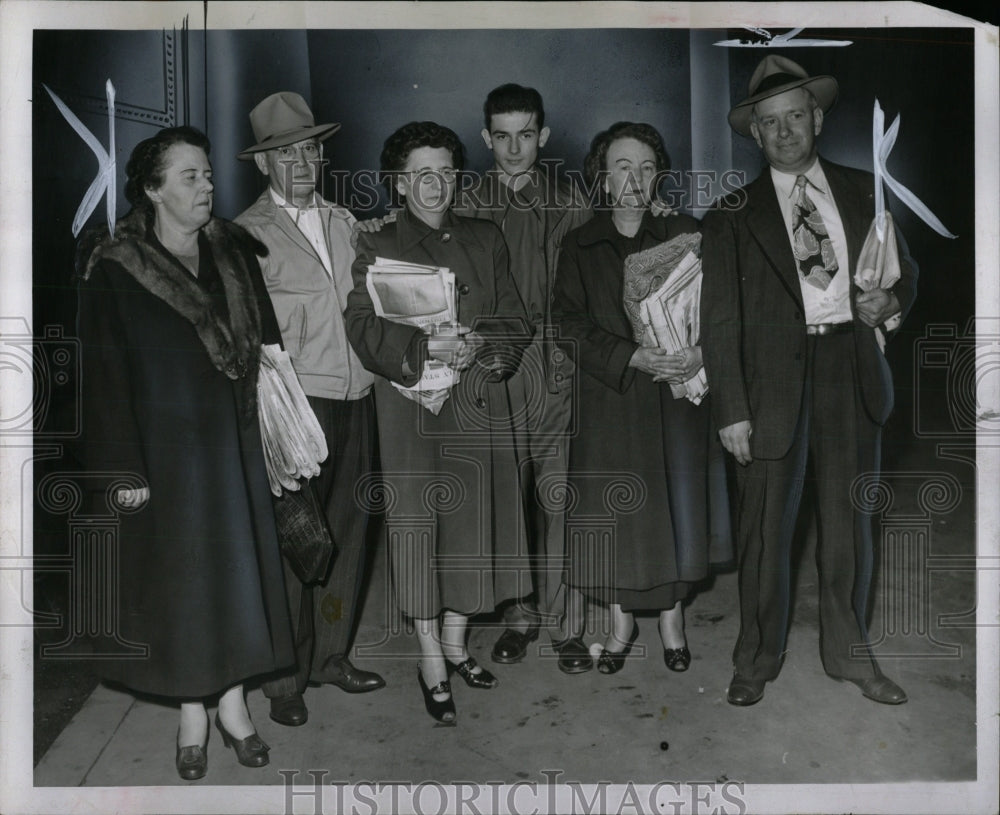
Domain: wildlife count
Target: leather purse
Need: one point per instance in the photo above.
(303, 534)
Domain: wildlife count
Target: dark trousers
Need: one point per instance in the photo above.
(323, 615)
(836, 436)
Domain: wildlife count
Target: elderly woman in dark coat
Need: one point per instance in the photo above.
(450, 480)
(172, 315)
(635, 442)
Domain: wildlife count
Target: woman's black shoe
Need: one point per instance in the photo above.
(192, 761)
(440, 711)
(677, 659)
(484, 679)
(250, 752)
(611, 662)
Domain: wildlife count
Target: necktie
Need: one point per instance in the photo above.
(810, 240)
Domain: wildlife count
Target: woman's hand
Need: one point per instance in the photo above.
(132, 499)
(687, 363)
(456, 348)
(664, 367)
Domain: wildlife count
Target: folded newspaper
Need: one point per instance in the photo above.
(294, 444)
(421, 296)
(662, 295)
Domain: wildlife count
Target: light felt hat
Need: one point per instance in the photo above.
(282, 119)
(777, 74)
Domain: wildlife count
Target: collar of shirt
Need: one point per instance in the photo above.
(784, 183)
(293, 210)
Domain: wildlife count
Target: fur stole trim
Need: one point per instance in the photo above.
(232, 344)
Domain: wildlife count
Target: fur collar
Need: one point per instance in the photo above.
(233, 344)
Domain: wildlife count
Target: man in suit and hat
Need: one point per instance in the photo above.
(797, 375)
(308, 276)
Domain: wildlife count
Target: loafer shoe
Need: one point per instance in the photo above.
(289, 710)
(744, 691)
(511, 646)
(574, 657)
(879, 689)
(345, 676)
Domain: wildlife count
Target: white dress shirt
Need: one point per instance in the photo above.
(310, 224)
(832, 305)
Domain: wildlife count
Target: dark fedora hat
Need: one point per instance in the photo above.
(777, 74)
(281, 119)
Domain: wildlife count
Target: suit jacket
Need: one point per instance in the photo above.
(308, 303)
(563, 209)
(753, 325)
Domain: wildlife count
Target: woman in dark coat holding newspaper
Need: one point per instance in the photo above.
(449, 479)
(641, 460)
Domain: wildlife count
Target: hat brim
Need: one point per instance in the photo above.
(320, 132)
(824, 88)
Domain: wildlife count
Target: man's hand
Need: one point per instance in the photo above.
(688, 363)
(661, 209)
(371, 225)
(132, 499)
(876, 306)
(736, 439)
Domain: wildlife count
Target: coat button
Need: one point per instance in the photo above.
(445, 237)
(464, 289)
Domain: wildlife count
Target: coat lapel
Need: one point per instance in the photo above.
(852, 204)
(768, 229)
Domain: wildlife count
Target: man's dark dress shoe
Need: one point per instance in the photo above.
(574, 658)
(744, 691)
(348, 678)
(192, 761)
(289, 710)
(511, 645)
(879, 689)
(250, 752)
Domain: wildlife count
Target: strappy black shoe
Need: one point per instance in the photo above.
(443, 712)
(250, 752)
(483, 680)
(611, 662)
(677, 659)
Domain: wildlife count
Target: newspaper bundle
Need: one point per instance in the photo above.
(662, 297)
(421, 296)
(294, 444)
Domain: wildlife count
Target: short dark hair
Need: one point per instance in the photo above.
(594, 164)
(412, 136)
(146, 164)
(511, 98)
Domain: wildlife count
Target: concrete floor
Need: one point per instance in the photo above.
(644, 724)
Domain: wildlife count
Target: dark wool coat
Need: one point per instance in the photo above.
(646, 509)
(169, 398)
(451, 482)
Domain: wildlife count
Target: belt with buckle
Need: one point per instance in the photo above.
(823, 329)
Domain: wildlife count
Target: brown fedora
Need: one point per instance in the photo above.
(281, 119)
(777, 74)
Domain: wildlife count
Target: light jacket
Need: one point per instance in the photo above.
(309, 304)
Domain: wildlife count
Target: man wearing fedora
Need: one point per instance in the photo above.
(797, 375)
(308, 276)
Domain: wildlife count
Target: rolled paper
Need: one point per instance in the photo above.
(105, 180)
(882, 144)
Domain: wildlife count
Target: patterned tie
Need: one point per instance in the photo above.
(810, 240)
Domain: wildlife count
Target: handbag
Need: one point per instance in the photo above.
(303, 534)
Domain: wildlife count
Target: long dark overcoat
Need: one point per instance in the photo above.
(199, 573)
(450, 482)
(646, 509)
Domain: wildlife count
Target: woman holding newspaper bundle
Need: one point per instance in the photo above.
(173, 312)
(642, 455)
(449, 482)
